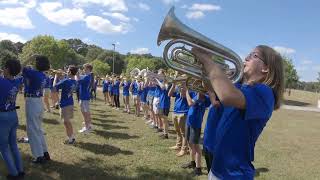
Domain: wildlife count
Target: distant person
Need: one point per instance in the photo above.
(84, 94)
(67, 87)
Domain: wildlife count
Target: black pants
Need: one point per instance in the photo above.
(116, 100)
(209, 158)
(78, 94)
(93, 94)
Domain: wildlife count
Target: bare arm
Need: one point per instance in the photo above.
(172, 90)
(228, 94)
(189, 99)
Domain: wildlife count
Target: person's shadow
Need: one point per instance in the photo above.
(261, 170)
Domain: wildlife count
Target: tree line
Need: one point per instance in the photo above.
(74, 51)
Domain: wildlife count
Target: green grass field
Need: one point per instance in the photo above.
(123, 147)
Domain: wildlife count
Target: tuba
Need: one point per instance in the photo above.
(178, 57)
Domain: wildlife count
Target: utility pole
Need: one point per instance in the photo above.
(114, 49)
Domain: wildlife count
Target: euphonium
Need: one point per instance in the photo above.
(134, 72)
(181, 59)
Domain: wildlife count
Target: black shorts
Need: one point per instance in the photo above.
(164, 112)
(193, 134)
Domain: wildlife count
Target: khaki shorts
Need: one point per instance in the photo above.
(66, 113)
(46, 91)
(156, 101)
(85, 105)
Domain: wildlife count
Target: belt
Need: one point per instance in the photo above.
(9, 110)
(31, 95)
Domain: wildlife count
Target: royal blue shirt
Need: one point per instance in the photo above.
(144, 94)
(135, 87)
(34, 82)
(151, 90)
(157, 90)
(110, 87)
(67, 87)
(105, 85)
(164, 102)
(8, 93)
(237, 132)
(116, 88)
(48, 82)
(84, 87)
(125, 89)
(196, 111)
(95, 85)
(180, 104)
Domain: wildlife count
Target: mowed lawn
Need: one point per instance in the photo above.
(122, 146)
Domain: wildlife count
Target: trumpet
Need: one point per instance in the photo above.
(177, 56)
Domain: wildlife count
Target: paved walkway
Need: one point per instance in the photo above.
(300, 108)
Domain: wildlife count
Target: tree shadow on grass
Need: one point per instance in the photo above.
(156, 174)
(295, 103)
(261, 170)
(106, 120)
(22, 127)
(108, 126)
(114, 135)
(87, 168)
(51, 121)
(104, 149)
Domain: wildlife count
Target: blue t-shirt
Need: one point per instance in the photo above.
(95, 85)
(180, 104)
(143, 96)
(84, 87)
(110, 87)
(135, 87)
(67, 87)
(116, 88)
(48, 82)
(105, 85)
(237, 132)
(157, 90)
(151, 90)
(196, 112)
(8, 93)
(164, 102)
(34, 81)
(126, 86)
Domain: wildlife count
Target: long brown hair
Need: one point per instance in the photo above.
(275, 76)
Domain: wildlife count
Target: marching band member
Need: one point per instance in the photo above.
(105, 85)
(179, 116)
(134, 87)
(163, 107)
(9, 119)
(84, 92)
(246, 107)
(143, 99)
(116, 93)
(110, 89)
(125, 94)
(93, 90)
(156, 101)
(150, 96)
(35, 80)
(198, 104)
(67, 87)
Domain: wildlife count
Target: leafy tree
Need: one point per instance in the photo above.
(291, 75)
(5, 55)
(100, 68)
(93, 52)
(78, 46)
(8, 45)
(107, 57)
(142, 62)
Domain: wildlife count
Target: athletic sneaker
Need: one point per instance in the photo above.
(85, 130)
(70, 141)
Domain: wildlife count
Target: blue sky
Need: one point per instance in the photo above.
(290, 26)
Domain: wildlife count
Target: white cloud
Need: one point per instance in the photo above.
(195, 14)
(144, 6)
(306, 62)
(64, 16)
(118, 16)
(24, 3)
(11, 37)
(139, 51)
(113, 5)
(15, 17)
(170, 1)
(136, 19)
(104, 26)
(204, 7)
(284, 50)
